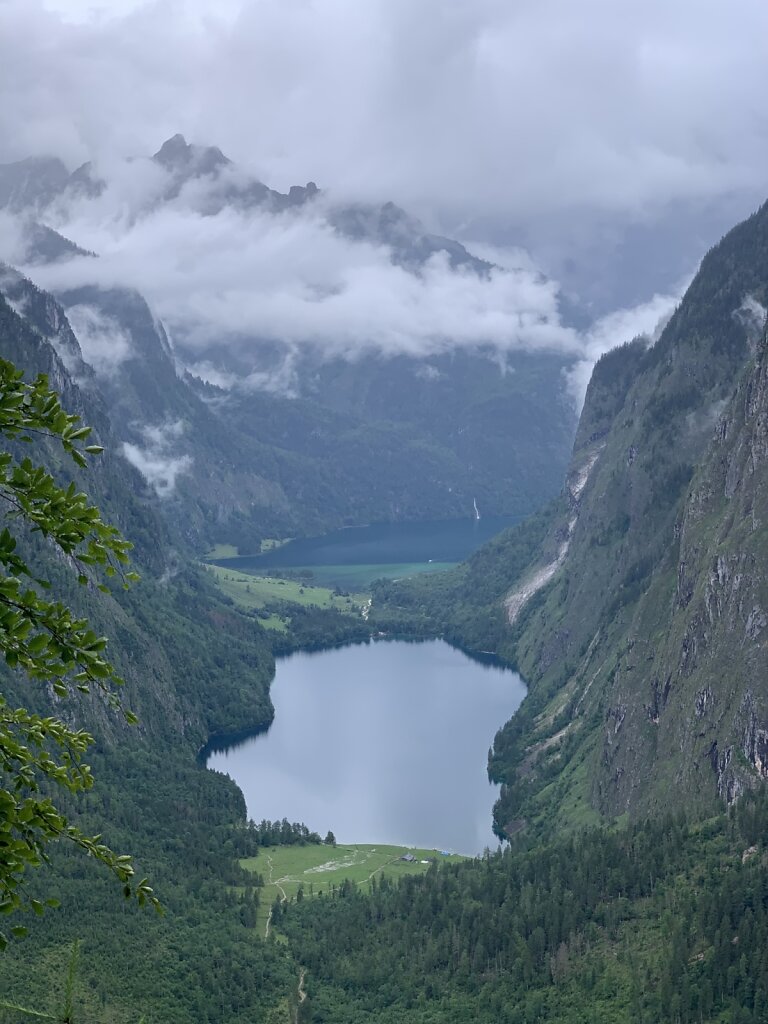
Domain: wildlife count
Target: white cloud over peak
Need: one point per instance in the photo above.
(222, 281)
(105, 346)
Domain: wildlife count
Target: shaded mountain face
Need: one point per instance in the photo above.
(411, 245)
(36, 183)
(44, 245)
(166, 628)
(33, 182)
(186, 163)
(32, 185)
(641, 624)
(298, 441)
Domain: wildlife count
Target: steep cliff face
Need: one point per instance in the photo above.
(192, 665)
(645, 643)
(714, 693)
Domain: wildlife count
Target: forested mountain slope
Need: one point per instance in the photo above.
(193, 666)
(661, 922)
(156, 679)
(639, 620)
(650, 634)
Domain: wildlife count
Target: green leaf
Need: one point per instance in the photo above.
(46, 639)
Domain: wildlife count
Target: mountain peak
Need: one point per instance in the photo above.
(173, 151)
(176, 154)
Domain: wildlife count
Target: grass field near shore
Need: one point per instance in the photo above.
(258, 591)
(355, 578)
(317, 868)
(360, 577)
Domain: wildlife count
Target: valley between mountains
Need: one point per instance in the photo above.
(630, 882)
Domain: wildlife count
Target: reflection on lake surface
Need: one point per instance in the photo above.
(381, 743)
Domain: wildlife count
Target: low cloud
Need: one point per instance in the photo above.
(13, 244)
(155, 459)
(617, 142)
(224, 282)
(246, 294)
(105, 346)
(647, 320)
(752, 314)
(513, 109)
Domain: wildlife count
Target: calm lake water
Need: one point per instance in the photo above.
(450, 540)
(382, 743)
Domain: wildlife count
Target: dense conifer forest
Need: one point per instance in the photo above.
(666, 920)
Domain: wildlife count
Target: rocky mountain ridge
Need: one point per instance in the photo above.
(645, 645)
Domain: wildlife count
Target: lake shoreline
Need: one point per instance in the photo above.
(356, 734)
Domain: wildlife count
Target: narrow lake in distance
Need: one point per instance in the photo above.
(383, 742)
(445, 540)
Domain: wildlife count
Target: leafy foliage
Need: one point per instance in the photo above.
(47, 641)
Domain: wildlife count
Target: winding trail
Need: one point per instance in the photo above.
(381, 867)
(270, 880)
(283, 895)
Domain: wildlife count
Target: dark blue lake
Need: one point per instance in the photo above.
(450, 540)
(382, 742)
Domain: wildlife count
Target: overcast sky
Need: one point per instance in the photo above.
(516, 107)
(615, 139)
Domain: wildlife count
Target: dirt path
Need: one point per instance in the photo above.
(289, 878)
(283, 895)
(301, 994)
(381, 868)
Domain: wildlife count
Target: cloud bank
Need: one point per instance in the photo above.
(228, 285)
(222, 282)
(516, 109)
(547, 116)
(647, 320)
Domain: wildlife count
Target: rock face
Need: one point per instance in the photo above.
(647, 650)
